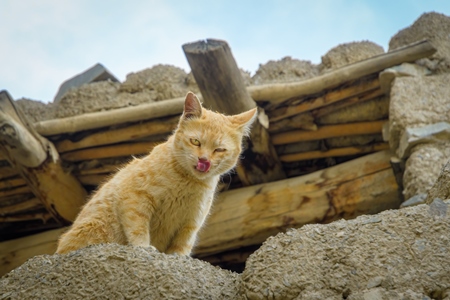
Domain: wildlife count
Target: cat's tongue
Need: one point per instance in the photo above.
(203, 165)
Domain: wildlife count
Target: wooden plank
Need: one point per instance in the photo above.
(327, 99)
(43, 216)
(328, 131)
(222, 86)
(30, 204)
(38, 163)
(249, 215)
(13, 253)
(112, 117)
(112, 136)
(109, 151)
(346, 151)
(278, 93)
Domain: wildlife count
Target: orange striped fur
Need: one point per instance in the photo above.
(163, 199)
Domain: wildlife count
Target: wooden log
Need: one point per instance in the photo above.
(346, 151)
(14, 253)
(30, 204)
(327, 99)
(12, 183)
(322, 111)
(113, 117)
(37, 161)
(6, 171)
(94, 180)
(222, 87)
(43, 216)
(22, 190)
(112, 136)
(249, 215)
(109, 151)
(328, 131)
(278, 93)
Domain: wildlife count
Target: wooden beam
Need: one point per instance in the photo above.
(37, 161)
(328, 131)
(346, 151)
(43, 216)
(325, 110)
(222, 87)
(27, 205)
(112, 136)
(112, 117)
(327, 99)
(278, 93)
(249, 215)
(109, 151)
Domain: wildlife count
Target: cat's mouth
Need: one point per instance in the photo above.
(203, 166)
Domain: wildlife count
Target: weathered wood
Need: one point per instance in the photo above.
(327, 99)
(112, 117)
(222, 87)
(249, 215)
(37, 161)
(30, 204)
(94, 180)
(109, 151)
(15, 252)
(334, 152)
(43, 216)
(113, 136)
(328, 131)
(12, 183)
(322, 111)
(278, 93)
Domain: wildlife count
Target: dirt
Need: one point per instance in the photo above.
(349, 53)
(397, 254)
(435, 28)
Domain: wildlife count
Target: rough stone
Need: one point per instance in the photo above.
(348, 53)
(441, 188)
(395, 253)
(414, 200)
(433, 133)
(118, 272)
(94, 74)
(416, 102)
(160, 82)
(284, 70)
(434, 27)
(423, 167)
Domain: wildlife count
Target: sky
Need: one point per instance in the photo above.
(45, 42)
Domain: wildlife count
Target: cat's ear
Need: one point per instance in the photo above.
(245, 120)
(192, 106)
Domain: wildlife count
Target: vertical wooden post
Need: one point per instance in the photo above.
(222, 87)
(37, 161)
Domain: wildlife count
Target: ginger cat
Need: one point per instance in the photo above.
(163, 199)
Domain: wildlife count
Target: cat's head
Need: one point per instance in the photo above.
(208, 143)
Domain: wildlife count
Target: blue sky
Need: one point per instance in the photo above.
(45, 42)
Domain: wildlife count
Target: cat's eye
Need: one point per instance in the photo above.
(220, 150)
(195, 142)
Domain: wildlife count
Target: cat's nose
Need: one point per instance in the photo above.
(203, 158)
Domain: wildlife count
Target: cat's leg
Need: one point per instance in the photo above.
(135, 221)
(184, 240)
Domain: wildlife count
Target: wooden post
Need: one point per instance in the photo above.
(222, 87)
(37, 161)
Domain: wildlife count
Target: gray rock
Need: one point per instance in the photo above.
(94, 74)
